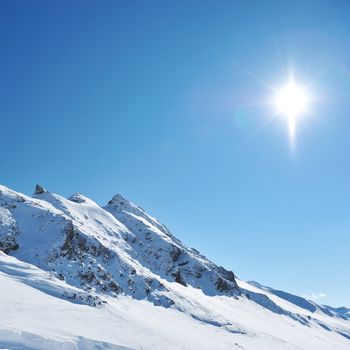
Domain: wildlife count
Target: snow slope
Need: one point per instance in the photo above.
(79, 276)
(120, 249)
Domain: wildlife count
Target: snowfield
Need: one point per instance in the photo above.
(74, 275)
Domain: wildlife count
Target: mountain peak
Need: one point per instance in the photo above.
(39, 189)
(118, 201)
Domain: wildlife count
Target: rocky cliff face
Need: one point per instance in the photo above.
(115, 249)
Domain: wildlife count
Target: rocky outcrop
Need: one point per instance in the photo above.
(7, 246)
(178, 278)
(39, 190)
(8, 229)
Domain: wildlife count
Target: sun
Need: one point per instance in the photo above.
(292, 102)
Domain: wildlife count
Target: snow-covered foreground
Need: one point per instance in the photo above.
(34, 317)
(77, 276)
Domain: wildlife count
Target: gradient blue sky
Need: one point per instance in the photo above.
(165, 102)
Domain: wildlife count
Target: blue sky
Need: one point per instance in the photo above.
(166, 103)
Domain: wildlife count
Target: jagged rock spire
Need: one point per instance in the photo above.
(39, 189)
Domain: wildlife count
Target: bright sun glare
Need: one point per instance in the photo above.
(291, 102)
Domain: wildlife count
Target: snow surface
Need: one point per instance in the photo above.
(79, 276)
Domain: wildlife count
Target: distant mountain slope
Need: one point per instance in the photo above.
(300, 301)
(71, 266)
(343, 312)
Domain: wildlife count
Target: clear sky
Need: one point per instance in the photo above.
(166, 103)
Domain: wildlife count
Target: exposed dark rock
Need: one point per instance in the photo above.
(88, 276)
(39, 189)
(9, 234)
(222, 285)
(67, 247)
(179, 279)
(8, 246)
(227, 275)
(114, 287)
(198, 274)
(175, 253)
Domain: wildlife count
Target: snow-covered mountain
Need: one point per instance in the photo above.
(75, 275)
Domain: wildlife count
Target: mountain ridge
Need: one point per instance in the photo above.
(101, 257)
(88, 237)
